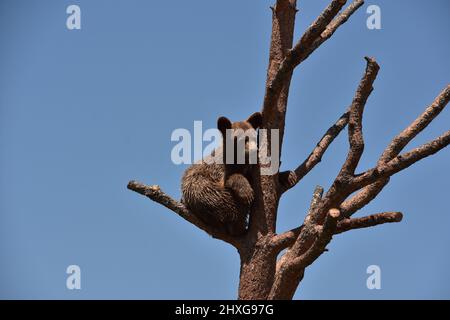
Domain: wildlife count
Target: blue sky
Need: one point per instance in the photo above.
(84, 111)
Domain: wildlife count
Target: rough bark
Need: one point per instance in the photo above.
(264, 272)
(258, 260)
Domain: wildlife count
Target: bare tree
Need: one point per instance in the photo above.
(264, 272)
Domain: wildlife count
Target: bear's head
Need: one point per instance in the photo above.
(242, 137)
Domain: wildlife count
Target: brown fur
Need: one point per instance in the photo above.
(222, 194)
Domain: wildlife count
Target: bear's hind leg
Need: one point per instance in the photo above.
(241, 188)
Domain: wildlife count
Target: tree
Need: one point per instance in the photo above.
(272, 265)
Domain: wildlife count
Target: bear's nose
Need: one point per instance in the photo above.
(251, 145)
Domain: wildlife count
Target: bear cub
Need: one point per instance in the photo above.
(221, 194)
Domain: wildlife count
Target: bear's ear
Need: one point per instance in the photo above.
(223, 124)
(255, 120)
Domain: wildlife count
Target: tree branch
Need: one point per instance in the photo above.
(355, 133)
(363, 197)
(325, 235)
(319, 31)
(342, 185)
(368, 221)
(334, 25)
(373, 181)
(422, 121)
(315, 29)
(290, 268)
(282, 62)
(287, 239)
(402, 161)
(354, 118)
(408, 158)
(156, 194)
(369, 192)
(286, 277)
(316, 155)
(317, 196)
(283, 21)
(308, 228)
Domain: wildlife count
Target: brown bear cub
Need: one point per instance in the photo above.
(220, 193)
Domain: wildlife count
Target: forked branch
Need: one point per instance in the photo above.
(307, 242)
(368, 193)
(317, 33)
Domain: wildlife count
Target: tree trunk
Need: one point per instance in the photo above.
(258, 259)
(257, 271)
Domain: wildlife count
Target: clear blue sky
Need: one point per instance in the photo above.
(84, 111)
